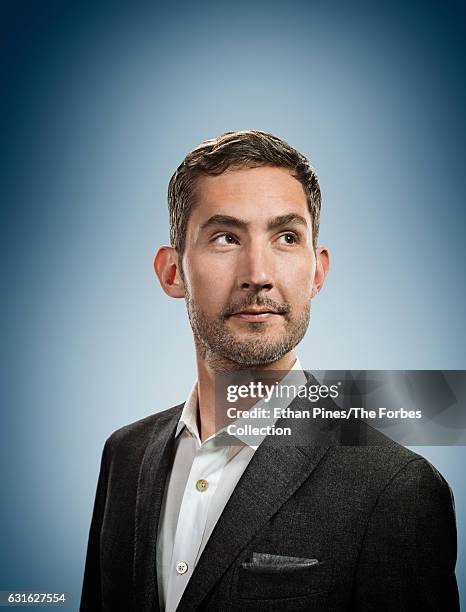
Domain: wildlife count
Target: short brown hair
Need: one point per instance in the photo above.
(244, 149)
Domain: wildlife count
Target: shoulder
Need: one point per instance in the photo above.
(406, 468)
(417, 483)
(137, 435)
(386, 468)
(415, 509)
(407, 480)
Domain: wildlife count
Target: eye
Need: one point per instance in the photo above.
(288, 238)
(225, 239)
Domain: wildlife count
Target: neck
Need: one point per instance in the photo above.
(208, 369)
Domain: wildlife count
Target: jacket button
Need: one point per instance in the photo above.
(202, 485)
(181, 567)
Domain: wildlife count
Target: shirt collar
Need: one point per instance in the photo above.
(188, 418)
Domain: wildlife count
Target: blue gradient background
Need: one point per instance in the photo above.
(99, 105)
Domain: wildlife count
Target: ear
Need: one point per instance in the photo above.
(322, 267)
(167, 269)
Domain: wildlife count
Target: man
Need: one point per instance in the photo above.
(182, 522)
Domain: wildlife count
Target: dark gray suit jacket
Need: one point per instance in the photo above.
(378, 518)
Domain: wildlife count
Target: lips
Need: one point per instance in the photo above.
(256, 311)
(256, 315)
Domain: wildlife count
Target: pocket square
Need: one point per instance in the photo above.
(261, 559)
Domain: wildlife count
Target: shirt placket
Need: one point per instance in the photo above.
(203, 479)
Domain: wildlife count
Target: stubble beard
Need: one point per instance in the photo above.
(224, 351)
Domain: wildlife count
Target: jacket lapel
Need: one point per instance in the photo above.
(272, 476)
(153, 473)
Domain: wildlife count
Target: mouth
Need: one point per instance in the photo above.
(255, 315)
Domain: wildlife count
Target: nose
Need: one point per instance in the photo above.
(255, 269)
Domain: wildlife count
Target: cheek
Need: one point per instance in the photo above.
(296, 282)
(208, 286)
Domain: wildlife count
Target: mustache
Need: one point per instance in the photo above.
(282, 308)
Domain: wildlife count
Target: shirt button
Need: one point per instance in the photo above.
(202, 485)
(181, 567)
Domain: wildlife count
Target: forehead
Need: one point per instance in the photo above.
(250, 193)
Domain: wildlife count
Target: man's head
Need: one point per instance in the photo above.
(234, 150)
(244, 217)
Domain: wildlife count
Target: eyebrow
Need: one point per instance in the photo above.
(275, 223)
(224, 220)
(289, 219)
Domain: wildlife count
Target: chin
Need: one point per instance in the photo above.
(259, 326)
(256, 330)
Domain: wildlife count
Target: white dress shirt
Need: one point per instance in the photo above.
(202, 479)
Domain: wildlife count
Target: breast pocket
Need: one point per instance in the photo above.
(279, 581)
